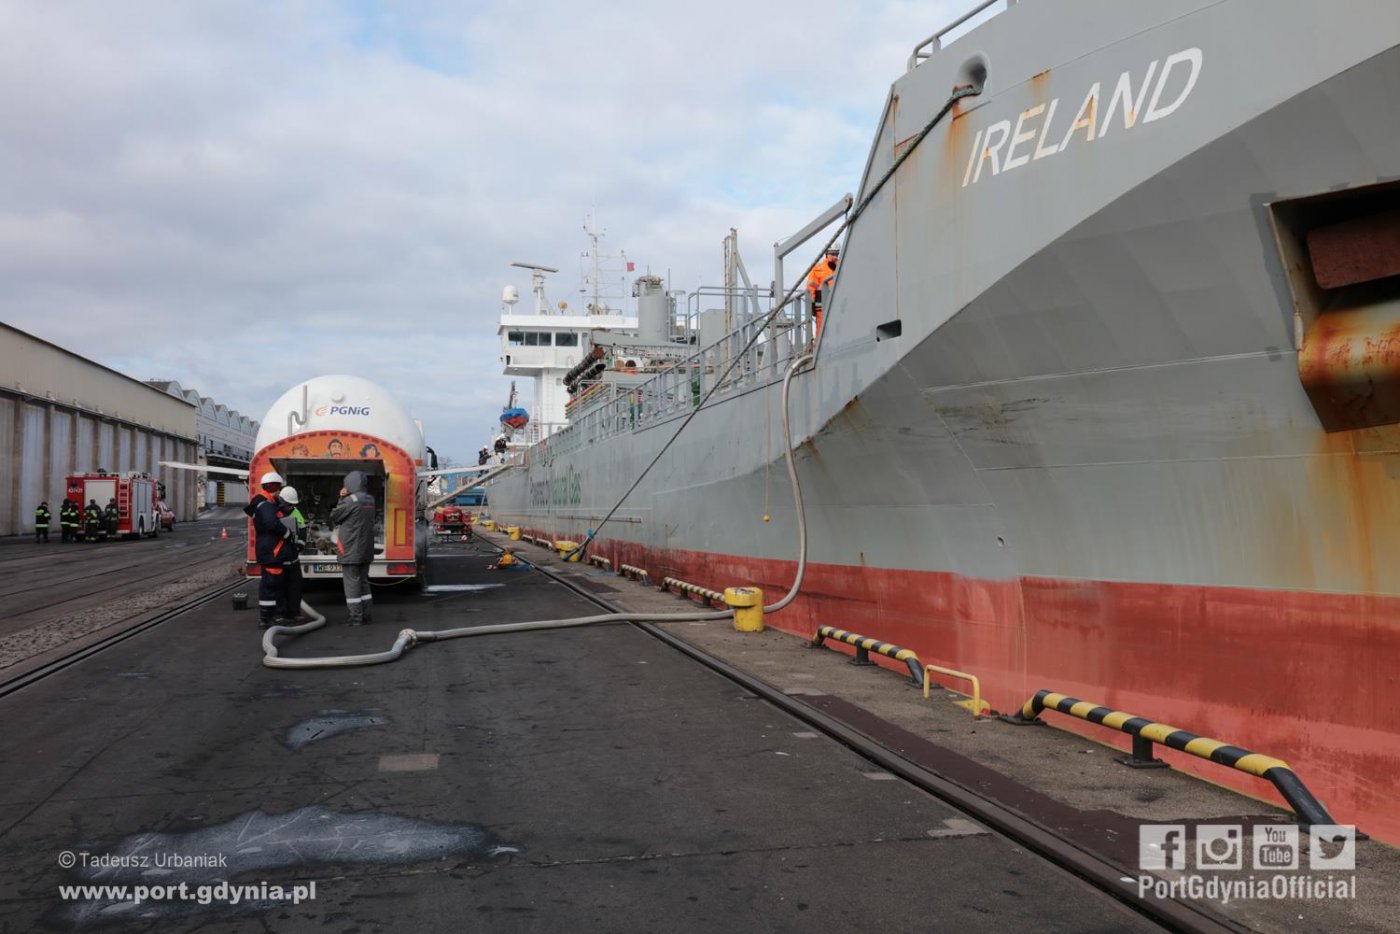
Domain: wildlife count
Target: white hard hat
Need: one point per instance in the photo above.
(271, 476)
(289, 495)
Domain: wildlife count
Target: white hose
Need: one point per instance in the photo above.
(408, 638)
(796, 491)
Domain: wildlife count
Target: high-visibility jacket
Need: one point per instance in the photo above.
(42, 517)
(819, 276)
(94, 516)
(68, 514)
(296, 524)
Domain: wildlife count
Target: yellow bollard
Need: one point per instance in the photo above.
(747, 603)
(488, 524)
(564, 548)
(514, 532)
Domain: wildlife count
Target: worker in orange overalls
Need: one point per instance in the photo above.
(817, 281)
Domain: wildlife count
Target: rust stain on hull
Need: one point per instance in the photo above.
(956, 148)
(1354, 488)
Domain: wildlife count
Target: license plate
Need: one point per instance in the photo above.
(325, 569)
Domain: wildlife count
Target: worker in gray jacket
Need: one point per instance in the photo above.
(353, 518)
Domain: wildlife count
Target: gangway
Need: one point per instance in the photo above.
(489, 474)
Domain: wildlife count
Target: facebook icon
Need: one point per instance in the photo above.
(1162, 846)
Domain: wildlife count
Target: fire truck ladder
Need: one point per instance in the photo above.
(124, 504)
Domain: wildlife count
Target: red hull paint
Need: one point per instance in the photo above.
(1307, 677)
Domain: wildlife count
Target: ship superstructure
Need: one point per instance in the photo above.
(1104, 391)
(547, 344)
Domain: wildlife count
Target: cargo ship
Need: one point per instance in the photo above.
(1105, 394)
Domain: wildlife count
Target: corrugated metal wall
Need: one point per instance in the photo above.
(61, 414)
(32, 485)
(46, 371)
(41, 443)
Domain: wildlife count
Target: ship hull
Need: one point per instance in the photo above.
(1088, 463)
(1297, 675)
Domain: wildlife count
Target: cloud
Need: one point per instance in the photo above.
(242, 195)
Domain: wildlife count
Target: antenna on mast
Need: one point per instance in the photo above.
(537, 284)
(607, 277)
(595, 307)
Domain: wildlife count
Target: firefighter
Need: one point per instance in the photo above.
(68, 519)
(92, 522)
(41, 523)
(501, 449)
(289, 613)
(817, 281)
(269, 544)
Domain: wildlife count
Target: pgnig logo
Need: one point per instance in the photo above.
(1331, 847)
(342, 410)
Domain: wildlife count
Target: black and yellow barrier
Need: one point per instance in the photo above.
(668, 582)
(634, 572)
(1146, 732)
(865, 645)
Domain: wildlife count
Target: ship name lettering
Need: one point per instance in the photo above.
(1025, 142)
(564, 489)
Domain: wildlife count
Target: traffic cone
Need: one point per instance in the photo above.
(223, 533)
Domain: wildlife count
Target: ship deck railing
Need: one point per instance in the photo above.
(925, 49)
(677, 389)
(750, 356)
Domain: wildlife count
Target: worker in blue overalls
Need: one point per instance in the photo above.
(270, 545)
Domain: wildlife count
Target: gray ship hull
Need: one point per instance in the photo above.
(1088, 462)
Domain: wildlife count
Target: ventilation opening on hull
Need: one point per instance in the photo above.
(1341, 253)
(889, 329)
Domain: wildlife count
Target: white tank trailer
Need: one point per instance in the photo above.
(320, 430)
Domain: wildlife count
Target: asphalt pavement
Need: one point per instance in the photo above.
(577, 780)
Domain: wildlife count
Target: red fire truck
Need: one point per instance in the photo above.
(137, 496)
(451, 522)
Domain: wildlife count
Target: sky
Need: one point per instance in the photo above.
(242, 195)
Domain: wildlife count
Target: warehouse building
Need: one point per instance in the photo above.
(226, 439)
(62, 414)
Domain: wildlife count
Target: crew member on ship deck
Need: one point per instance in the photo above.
(817, 281)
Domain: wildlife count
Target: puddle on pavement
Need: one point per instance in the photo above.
(330, 723)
